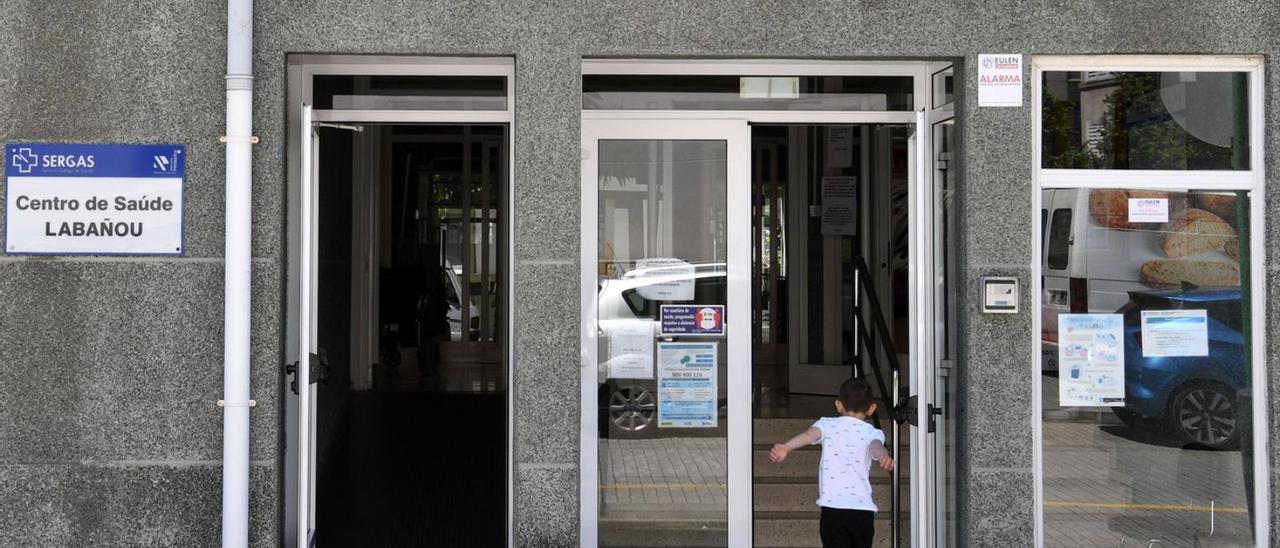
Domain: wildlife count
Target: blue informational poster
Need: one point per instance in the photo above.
(94, 199)
(692, 319)
(687, 391)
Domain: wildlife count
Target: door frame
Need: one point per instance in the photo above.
(942, 252)
(920, 222)
(300, 72)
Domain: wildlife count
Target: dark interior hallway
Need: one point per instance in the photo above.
(415, 469)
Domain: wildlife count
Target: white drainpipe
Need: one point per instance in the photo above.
(236, 404)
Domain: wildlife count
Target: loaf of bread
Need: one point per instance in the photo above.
(1196, 231)
(1232, 248)
(1167, 274)
(1222, 205)
(1110, 207)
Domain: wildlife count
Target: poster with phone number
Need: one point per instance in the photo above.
(687, 391)
(1091, 360)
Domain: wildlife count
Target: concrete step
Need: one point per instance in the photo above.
(770, 529)
(664, 533)
(782, 530)
(802, 496)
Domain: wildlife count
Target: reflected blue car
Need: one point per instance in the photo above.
(1195, 396)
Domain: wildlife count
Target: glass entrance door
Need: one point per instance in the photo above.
(666, 333)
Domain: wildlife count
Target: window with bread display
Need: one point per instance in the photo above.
(1149, 379)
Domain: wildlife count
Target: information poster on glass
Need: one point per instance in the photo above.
(630, 349)
(1169, 333)
(687, 393)
(672, 279)
(1091, 360)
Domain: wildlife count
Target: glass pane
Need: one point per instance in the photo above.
(662, 423)
(366, 92)
(945, 395)
(1145, 120)
(1146, 383)
(441, 259)
(944, 88)
(686, 92)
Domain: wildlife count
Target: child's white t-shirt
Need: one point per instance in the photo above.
(843, 480)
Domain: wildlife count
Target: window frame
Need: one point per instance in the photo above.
(1251, 180)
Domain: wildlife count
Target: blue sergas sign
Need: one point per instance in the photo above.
(79, 199)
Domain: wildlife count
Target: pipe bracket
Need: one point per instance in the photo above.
(249, 403)
(252, 139)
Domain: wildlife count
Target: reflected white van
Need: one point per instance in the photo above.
(1095, 251)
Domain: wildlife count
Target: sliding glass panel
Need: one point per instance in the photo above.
(1146, 370)
(662, 303)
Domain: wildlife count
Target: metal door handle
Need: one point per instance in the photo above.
(906, 412)
(319, 370)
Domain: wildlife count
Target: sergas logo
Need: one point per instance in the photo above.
(24, 160)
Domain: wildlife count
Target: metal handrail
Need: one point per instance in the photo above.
(882, 329)
(881, 325)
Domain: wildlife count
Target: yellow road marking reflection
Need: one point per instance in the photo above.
(1133, 506)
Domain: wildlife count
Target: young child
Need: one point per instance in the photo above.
(849, 444)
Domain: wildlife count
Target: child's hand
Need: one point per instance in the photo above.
(886, 462)
(779, 453)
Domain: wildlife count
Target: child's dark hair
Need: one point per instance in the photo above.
(855, 395)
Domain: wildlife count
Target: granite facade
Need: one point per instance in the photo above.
(112, 365)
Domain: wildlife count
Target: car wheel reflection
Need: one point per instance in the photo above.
(1205, 415)
(632, 408)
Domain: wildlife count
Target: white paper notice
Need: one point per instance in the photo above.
(1000, 80)
(1167, 333)
(1091, 360)
(687, 393)
(673, 279)
(630, 349)
(839, 206)
(1148, 210)
(839, 146)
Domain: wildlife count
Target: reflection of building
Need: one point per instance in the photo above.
(1094, 89)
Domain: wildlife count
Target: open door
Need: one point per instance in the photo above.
(304, 387)
(924, 490)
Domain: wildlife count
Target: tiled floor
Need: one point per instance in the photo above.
(666, 476)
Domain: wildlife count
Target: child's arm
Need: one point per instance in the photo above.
(808, 437)
(880, 454)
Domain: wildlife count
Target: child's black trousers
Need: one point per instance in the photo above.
(841, 528)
